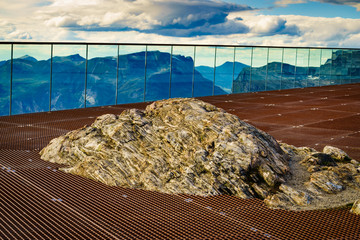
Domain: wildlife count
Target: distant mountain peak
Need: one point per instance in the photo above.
(28, 58)
(76, 57)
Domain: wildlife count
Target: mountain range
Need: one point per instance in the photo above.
(31, 79)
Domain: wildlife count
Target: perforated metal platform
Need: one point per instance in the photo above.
(37, 201)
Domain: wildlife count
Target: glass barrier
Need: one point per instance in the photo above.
(314, 67)
(68, 77)
(182, 71)
(31, 78)
(224, 70)
(242, 69)
(288, 68)
(344, 63)
(38, 77)
(355, 69)
(131, 74)
(325, 67)
(259, 68)
(101, 75)
(204, 71)
(5, 79)
(273, 80)
(158, 60)
(302, 67)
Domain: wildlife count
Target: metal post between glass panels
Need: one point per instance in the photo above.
(213, 89)
(117, 75)
(51, 67)
(11, 77)
(146, 50)
(233, 73)
(86, 72)
(171, 56)
(193, 76)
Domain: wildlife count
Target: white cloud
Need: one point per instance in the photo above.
(353, 3)
(165, 17)
(143, 21)
(287, 2)
(8, 31)
(269, 25)
(329, 31)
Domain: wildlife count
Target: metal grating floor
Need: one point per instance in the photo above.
(37, 201)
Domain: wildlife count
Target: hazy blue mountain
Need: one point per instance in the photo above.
(31, 80)
(28, 58)
(224, 74)
(285, 75)
(206, 72)
(71, 58)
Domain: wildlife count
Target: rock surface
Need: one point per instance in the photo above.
(189, 146)
(356, 208)
(174, 146)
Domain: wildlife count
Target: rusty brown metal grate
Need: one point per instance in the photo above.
(38, 201)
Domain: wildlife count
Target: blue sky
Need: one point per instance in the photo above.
(311, 23)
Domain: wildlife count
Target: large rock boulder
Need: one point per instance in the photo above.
(189, 146)
(174, 146)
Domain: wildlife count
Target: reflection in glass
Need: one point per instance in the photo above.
(325, 68)
(182, 69)
(224, 71)
(157, 73)
(288, 68)
(160, 71)
(68, 77)
(273, 81)
(204, 71)
(242, 69)
(31, 78)
(341, 61)
(314, 67)
(5, 78)
(302, 65)
(131, 81)
(101, 75)
(345, 64)
(355, 69)
(258, 69)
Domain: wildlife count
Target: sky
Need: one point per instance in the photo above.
(304, 23)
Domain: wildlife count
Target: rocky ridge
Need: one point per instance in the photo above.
(189, 146)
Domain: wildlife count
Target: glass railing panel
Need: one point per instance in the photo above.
(68, 77)
(325, 68)
(101, 75)
(314, 67)
(345, 63)
(224, 70)
(242, 69)
(31, 78)
(288, 68)
(5, 78)
(273, 81)
(355, 69)
(157, 73)
(258, 69)
(302, 67)
(339, 65)
(182, 71)
(204, 71)
(131, 82)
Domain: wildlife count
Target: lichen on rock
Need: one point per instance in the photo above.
(187, 146)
